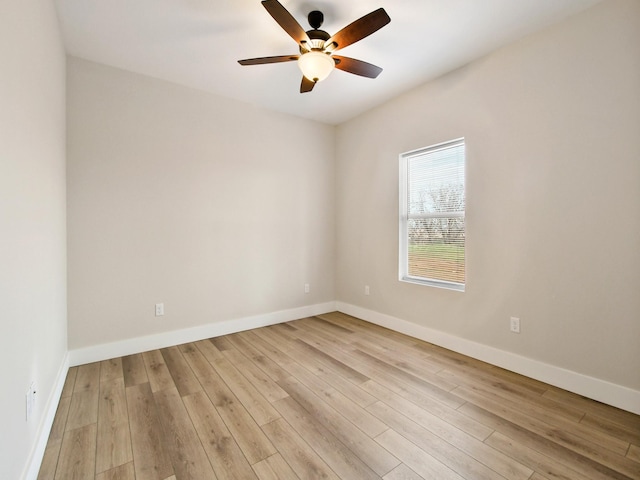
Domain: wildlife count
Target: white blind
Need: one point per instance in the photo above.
(435, 210)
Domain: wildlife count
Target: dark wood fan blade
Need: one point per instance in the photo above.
(286, 20)
(263, 60)
(357, 67)
(306, 85)
(361, 28)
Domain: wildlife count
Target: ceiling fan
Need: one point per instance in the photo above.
(316, 59)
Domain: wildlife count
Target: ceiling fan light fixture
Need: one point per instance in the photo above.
(316, 60)
(316, 65)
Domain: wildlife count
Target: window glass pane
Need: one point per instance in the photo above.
(436, 181)
(436, 249)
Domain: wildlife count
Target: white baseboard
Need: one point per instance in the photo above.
(594, 388)
(44, 429)
(130, 346)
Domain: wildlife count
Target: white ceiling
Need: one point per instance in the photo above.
(197, 43)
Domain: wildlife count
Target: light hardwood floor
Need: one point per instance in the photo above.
(327, 397)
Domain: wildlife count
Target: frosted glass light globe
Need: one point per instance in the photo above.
(316, 65)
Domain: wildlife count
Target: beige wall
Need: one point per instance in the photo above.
(33, 332)
(552, 128)
(213, 207)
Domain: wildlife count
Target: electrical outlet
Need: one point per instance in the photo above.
(30, 400)
(307, 288)
(159, 309)
(515, 324)
(367, 291)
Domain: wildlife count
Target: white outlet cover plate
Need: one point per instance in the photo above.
(515, 324)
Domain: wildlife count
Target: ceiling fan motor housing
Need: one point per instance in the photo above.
(316, 36)
(317, 39)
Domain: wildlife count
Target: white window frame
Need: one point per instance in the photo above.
(403, 270)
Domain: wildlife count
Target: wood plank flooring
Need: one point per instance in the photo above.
(329, 397)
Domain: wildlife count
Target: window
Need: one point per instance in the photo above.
(432, 205)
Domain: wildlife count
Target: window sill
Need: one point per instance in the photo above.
(457, 287)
